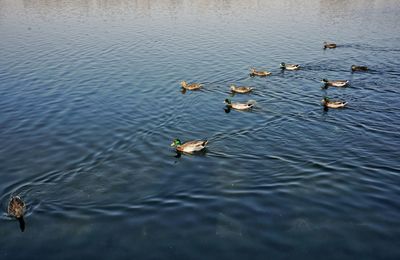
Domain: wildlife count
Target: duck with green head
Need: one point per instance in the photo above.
(238, 106)
(335, 83)
(285, 66)
(190, 146)
(327, 103)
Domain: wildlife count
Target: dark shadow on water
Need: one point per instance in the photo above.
(326, 87)
(228, 227)
(21, 224)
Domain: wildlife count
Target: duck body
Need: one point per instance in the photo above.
(241, 89)
(329, 45)
(190, 146)
(333, 104)
(358, 68)
(285, 66)
(335, 83)
(192, 86)
(238, 106)
(16, 208)
(258, 73)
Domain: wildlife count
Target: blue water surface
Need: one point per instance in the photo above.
(90, 101)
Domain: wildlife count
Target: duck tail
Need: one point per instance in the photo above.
(21, 223)
(205, 142)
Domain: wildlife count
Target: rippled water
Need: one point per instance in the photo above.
(90, 101)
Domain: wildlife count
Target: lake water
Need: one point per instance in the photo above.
(90, 102)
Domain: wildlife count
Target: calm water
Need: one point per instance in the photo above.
(90, 102)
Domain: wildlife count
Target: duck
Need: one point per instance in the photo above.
(241, 89)
(254, 72)
(285, 66)
(238, 106)
(16, 209)
(190, 146)
(335, 83)
(358, 68)
(327, 103)
(192, 86)
(329, 45)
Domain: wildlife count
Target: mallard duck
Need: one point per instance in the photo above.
(326, 102)
(190, 146)
(16, 209)
(241, 89)
(238, 106)
(335, 83)
(359, 68)
(329, 45)
(192, 86)
(254, 72)
(285, 66)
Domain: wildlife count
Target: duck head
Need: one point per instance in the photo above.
(283, 65)
(176, 142)
(183, 83)
(324, 81)
(228, 101)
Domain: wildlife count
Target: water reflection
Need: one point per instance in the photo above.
(139, 6)
(144, 6)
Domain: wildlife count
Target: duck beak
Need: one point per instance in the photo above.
(173, 144)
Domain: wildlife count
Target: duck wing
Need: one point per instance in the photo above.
(194, 146)
(243, 89)
(242, 106)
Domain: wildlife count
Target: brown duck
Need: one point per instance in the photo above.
(358, 68)
(327, 103)
(16, 209)
(259, 73)
(191, 86)
(241, 89)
